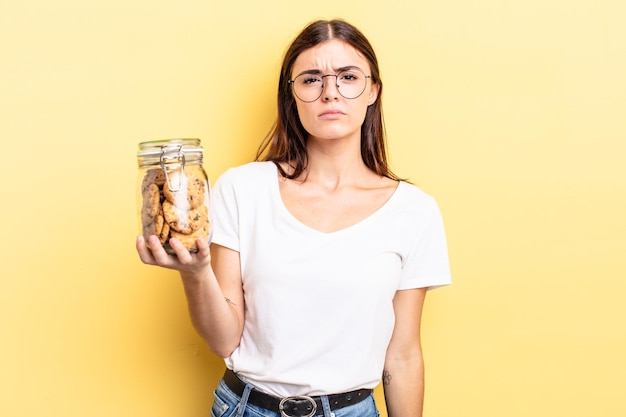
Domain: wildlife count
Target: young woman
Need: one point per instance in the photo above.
(314, 283)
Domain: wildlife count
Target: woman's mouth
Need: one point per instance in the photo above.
(331, 114)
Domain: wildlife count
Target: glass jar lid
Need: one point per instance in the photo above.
(157, 152)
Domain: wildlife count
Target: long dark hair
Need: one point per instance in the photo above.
(286, 141)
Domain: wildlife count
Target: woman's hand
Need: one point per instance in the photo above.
(183, 261)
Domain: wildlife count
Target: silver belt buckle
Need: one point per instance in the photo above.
(302, 398)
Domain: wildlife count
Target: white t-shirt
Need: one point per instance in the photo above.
(318, 306)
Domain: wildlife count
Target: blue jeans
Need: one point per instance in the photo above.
(228, 404)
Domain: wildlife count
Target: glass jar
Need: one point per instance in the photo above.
(173, 192)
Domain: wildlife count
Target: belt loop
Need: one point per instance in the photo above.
(244, 400)
(326, 406)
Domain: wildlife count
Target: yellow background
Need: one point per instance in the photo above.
(511, 113)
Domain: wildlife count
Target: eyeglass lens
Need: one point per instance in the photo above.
(309, 87)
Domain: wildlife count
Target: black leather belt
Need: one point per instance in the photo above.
(297, 406)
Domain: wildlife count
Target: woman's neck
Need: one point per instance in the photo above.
(333, 163)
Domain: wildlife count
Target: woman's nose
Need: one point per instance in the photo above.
(330, 87)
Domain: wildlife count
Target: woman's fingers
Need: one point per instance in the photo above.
(144, 253)
(152, 252)
(159, 254)
(204, 248)
(184, 257)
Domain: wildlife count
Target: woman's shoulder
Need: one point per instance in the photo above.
(412, 201)
(412, 208)
(413, 193)
(249, 172)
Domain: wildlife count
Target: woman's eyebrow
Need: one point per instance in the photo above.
(347, 68)
(337, 70)
(309, 71)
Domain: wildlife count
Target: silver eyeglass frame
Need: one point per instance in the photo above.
(293, 88)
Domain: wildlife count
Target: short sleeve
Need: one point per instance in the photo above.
(225, 212)
(427, 264)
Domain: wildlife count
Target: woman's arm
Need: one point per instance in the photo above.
(403, 377)
(216, 305)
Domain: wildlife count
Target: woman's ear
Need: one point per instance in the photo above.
(373, 94)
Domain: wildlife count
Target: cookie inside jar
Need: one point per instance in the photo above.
(175, 204)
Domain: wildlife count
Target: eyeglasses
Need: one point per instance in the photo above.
(309, 87)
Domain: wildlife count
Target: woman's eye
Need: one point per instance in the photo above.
(311, 80)
(349, 76)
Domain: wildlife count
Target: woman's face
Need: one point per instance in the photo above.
(333, 116)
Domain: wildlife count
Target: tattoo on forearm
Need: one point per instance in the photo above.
(228, 300)
(386, 377)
